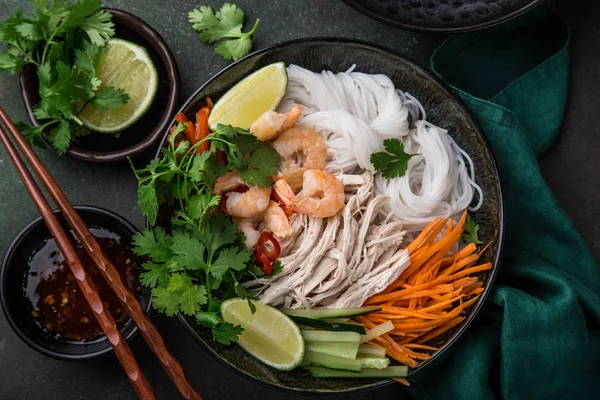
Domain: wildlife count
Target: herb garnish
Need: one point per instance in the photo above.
(393, 162)
(226, 23)
(64, 42)
(201, 262)
(470, 233)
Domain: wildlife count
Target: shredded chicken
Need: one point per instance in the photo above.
(342, 260)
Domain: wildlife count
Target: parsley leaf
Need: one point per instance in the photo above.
(470, 233)
(392, 162)
(227, 23)
(226, 333)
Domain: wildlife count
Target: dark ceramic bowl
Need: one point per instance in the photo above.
(443, 108)
(142, 135)
(443, 16)
(17, 308)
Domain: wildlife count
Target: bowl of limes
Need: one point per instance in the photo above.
(132, 83)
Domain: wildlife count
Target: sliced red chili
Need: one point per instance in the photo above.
(271, 253)
(262, 258)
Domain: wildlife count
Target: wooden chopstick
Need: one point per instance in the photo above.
(107, 323)
(110, 274)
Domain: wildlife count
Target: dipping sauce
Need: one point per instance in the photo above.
(59, 307)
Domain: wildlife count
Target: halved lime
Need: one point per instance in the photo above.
(269, 335)
(257, 93)
(125, 66)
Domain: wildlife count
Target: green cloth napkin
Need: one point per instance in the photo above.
(538, 334)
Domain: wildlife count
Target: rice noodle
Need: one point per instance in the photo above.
(355, 112)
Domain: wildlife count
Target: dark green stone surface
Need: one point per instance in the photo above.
(571, 167)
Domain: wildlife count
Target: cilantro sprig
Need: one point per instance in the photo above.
(471, 231)
(227, 23)
(64, 41)
(393, 162)
(203, 259)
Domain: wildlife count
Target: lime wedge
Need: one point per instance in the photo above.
(250, 98)
(125, 66)
(269, 335)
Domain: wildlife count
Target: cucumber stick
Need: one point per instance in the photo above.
(369, 362)
(329, 326)
(327, 336)
(367, 350)
(327, 313)
(338, 349)
(333, 362)
(396, 371)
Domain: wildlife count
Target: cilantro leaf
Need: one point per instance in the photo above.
(180, 295)
(219, 231)
(198, 205)
(30, 31)
(33, 134)
(154, 243)
(394, 161)
(79, 12)
(148, 201)
(262, 164)
(198, 167)
(99, 27)
(226, 333)
(109, 98)
(154, 274)
(229, 258)
(60, 137)
(234, 49)
(227, 23)
(470, 233)
(86, 57)
(188, 251)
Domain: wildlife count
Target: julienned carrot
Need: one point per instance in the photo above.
(421, 238)
(201, 130)
(430, 295)
(402, 381)
(439, 330)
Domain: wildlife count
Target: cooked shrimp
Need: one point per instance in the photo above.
(242, 204)
(300, 149)
(322, 194)
(277, 221)
(270, 124)
(248, 227)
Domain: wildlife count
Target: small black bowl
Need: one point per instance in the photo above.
(17, 308)
(142, 135)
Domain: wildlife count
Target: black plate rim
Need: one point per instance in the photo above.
(462, 29)
(497, 257)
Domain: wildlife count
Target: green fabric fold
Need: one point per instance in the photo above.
(538, 335)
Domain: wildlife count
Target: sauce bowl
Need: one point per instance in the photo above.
(19, 310)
